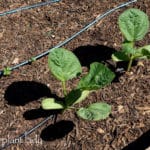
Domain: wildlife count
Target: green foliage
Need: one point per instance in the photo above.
(51, 103)
(134, 24)
(64, 65)
(76, 96)
(32, 59)
(145, 51)
(95, 111)
(120, 56)
(98, 77)
(7, 71)
(128, 48)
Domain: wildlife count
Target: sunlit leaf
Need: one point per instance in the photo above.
(63, 64)
(98, 77)
(95, 111)
(51, 103)
(134, 24)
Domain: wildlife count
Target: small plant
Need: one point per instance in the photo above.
(7, 71)
(32, 59)
(64, 65)
(134, 24)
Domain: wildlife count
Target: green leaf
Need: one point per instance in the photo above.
(32, 59)
(83, 96)
(134, 24)
(76, 96)
(95, 111)
(98, 77)
(51, 103)
(128, 47)
(119, 56)
(63, 64)
(142, 52)
(146, 54)
(7, 71)
(145, 51)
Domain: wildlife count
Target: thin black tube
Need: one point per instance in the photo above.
(28, 7)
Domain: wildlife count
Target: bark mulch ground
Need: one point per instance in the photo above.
(28, 33)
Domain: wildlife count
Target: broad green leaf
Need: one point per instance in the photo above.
(134, 24)
(128, 47)
(76, 96)
(98, 77)
(63, 64)
(51, 103)
(119, 56)
(95, 111)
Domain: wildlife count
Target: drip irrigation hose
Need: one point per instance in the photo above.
(28, 7)
(26, 133)
(69, 39)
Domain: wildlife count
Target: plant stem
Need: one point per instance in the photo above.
(131, 57)
(64, 88)
(130, 64)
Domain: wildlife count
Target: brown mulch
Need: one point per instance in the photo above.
(31, 32)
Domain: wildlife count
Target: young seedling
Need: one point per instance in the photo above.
(64, 65)
(32, 59)
(7, 71)
(134, 24)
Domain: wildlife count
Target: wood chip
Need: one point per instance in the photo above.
(120, 109)
(140, 63)
(100, 130)
(146, 108)
(15, 61)
(148, 148)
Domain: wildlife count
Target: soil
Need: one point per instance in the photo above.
(28, 33)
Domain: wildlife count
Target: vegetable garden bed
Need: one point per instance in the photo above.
(28, 33)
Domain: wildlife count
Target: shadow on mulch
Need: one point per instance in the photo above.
(23, 92)
(100, 53)
(39, 113)
(57, 130)
(141, 143)
(88, 54)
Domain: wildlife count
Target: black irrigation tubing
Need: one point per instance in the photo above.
(26, 133)
(28, 7)
(67, 40)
